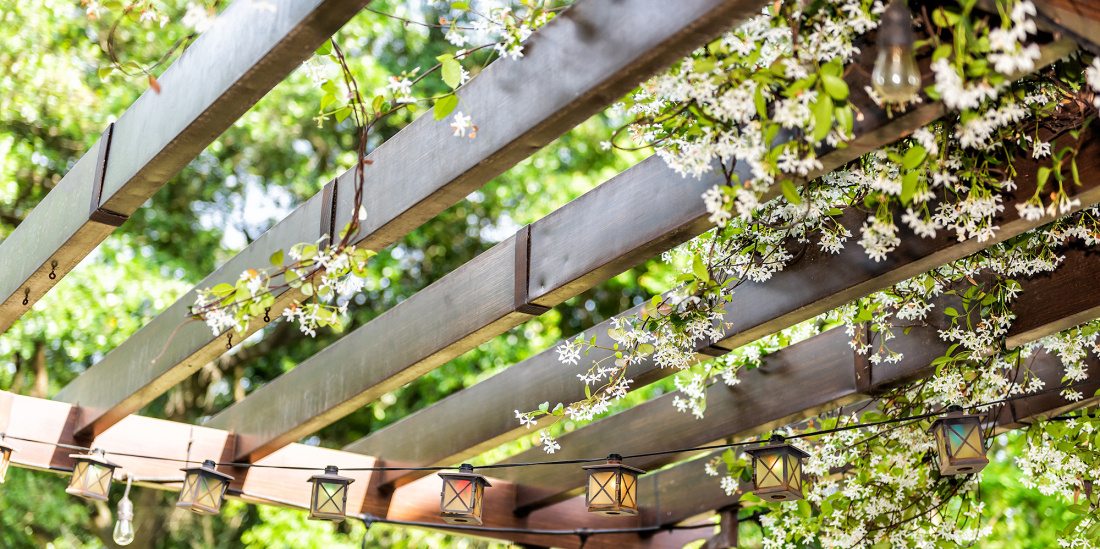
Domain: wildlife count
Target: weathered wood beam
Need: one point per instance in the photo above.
(1080, 18)
(815, 284)
(55, 422)
(251, 48)
(519, 105)
(795, 383)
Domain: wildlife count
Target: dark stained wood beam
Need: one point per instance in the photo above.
(519, 106)
(795, 383)
(817, 283)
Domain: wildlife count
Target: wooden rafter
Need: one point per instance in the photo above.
(249, 50)
(519, 105)
(817, 283)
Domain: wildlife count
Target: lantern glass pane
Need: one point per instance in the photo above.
(602, 487)
(458, 495)
(187, 494)
(479, 492)
(329, 498)
(98, 479)
(769, 470)
(5, 460)
(79, 470)
(965, 440)
(941, 442)
(630, 490)
(794, 468)
(210, 492)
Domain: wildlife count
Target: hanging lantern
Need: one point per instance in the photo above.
(92, 475)
(960, 442)
(5, 458)
(612, 488)
(463, 495)
(204, 489)
(777, 470)
(330, 495)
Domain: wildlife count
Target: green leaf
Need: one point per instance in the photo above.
(307, 288)
(545, 406)
(460, 5)
(222, 290)
(804, 508)
(645, 349)
(791, 192)
(444, 105)
(835, 86)
(343, 113)
(277, 258)
(950, 311)
(104, 72)
(909, 186)
(699, 269)
(378, 103)
(761, 103)
(823, 117)
(325, 48)
(913, 157)
(452, 71)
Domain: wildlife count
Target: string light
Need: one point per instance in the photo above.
(330, 495)
(92, 475)
(463, 495)
(124, 527)
(612, 488)
(960, 445)
(896, 76)
(204, 489)
(777, 470)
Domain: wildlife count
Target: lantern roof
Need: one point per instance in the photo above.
(777, 442)
(96, 456)
(208, 467)
(330, 475)
(466, 471)
(953, 413)
(614, 461)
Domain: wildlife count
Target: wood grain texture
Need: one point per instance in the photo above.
(409, 185)
(161, 132)
(817, 283)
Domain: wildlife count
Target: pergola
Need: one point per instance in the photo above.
(642, 212)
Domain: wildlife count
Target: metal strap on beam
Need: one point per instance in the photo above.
(523, 275)
(96, 212)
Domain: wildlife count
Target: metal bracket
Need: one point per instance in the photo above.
(328, 210)
(523, 275)
(862, 363)
(712, 351)
(96, 213)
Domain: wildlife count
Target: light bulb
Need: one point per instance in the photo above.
(124, 527)
(896, 76)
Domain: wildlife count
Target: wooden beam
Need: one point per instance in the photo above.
(250, 49)
(519, 105)
(637, 215)
(1078, 18)
(817, 283)
(794, 383)
(54, 422)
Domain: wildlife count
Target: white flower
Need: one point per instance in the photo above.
(462, 124)
(197, 17)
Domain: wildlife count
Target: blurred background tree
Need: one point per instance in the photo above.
(54, 104)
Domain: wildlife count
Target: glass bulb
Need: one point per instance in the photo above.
(124, 528)
(896, 76)
(124, 532)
